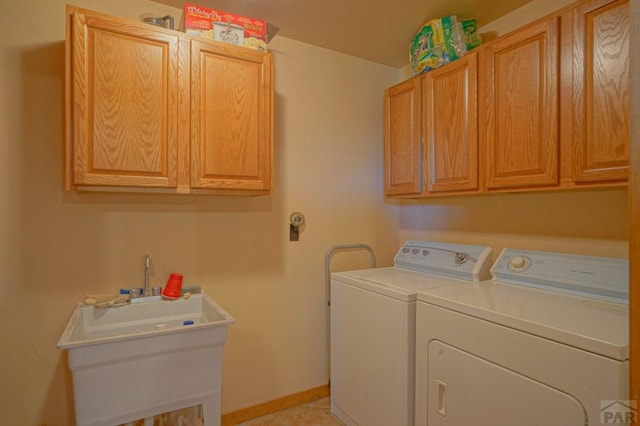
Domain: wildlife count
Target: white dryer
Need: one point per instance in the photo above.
(544, 343)
(372, 319)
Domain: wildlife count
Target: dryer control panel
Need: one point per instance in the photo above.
(467, 262)
(604, 278)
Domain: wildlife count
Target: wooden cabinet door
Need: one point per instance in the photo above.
(231, 118)
(122, 104)
(519, 108)
(402, 146)
(601, 91)
(450, 126)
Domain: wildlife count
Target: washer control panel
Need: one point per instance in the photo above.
(604, 278)
(467, 262)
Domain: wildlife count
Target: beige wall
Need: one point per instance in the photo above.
(521, 16)
(592, 222)
(57, 246)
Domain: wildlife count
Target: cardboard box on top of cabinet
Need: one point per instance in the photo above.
(226, 27)
(441, 41)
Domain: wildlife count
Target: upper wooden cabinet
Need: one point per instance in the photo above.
(402, 145)
(520, 107)
(552, 110)
(450, 126)
(230, 117)
(123, 116)
(150, 109)
(431, 132)
(601, 91)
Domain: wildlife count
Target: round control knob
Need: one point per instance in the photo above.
(518, 263)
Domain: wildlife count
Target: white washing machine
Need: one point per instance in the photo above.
(373, 315)
(543, 343)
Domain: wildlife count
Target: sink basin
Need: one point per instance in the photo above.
(143, 359)
(89, 325)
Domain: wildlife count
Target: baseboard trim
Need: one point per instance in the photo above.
(246, 414)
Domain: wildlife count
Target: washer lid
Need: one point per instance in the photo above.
(597, 326)
(400, 284)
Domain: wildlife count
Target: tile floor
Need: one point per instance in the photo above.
(317, 413)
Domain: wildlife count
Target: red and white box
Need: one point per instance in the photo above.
(226, 27)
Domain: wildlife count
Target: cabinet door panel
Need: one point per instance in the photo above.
(124, 104)
(450, 126)
(402, 147)
(601, 91)
(230, 118)
(521, 114)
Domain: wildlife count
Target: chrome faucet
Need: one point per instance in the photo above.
(147, 266)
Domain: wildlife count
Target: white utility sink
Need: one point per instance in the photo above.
(143, 359)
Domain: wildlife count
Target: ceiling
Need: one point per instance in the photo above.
(376, 30)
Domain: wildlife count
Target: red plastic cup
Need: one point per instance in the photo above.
(173, 288)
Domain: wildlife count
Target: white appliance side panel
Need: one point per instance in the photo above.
(372, 357)
(589, 377)
(467, 390)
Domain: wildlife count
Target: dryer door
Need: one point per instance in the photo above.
(466, 390)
